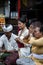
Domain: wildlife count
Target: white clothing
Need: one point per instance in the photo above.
(7, 29)
(26, 50)
(9, 44)
(25, 61)
(38, 56)
(23, 33)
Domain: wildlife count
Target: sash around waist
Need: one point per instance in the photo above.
(37, 56)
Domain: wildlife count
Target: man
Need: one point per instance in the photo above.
(37, 46)
(10, 45)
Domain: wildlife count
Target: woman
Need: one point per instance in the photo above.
(22, 34)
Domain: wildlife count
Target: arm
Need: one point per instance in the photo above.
(1, 46)
(2, 50)
(24, 35)
(25, 44)
(22, 39)
(19, 40)
(38, 42)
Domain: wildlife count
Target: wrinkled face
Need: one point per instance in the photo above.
(37, 32)
(21, 25)
(8, 34)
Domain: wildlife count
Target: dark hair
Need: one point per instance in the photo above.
(36, 24)
(23, 19)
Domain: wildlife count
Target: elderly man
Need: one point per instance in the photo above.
(37, 46)
(10, 51)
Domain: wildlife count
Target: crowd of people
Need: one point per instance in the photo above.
(26, 48)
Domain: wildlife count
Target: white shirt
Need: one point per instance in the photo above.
(9, 44)
(26, 50)
(24, 33)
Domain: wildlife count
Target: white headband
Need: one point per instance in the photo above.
(7, 29)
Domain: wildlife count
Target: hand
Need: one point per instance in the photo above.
(3, 50)
(11, 51)
(17, 39)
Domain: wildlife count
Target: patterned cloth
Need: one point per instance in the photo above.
(10, 58)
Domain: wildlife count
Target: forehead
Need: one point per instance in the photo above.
(19, 22)
(37, 29)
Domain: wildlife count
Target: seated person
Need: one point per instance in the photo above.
(28, 60)
(37, 46)
(10, 52)
(22, 34)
